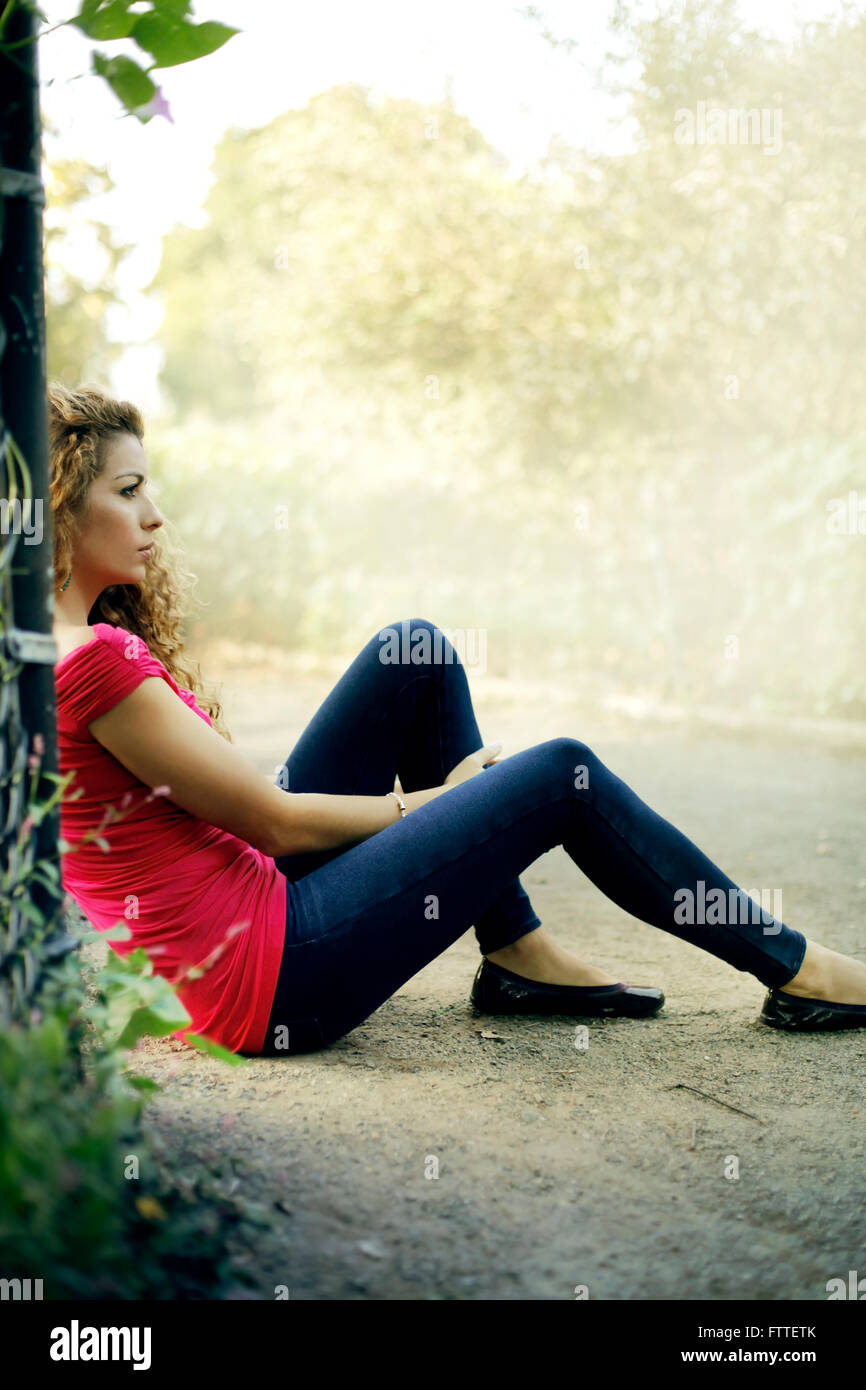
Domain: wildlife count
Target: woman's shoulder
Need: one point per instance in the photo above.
(108, 664)
(129, 644)
(90, 639)
(68, 637)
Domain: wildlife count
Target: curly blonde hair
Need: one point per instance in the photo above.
(81, 423)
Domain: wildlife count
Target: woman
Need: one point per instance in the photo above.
(285, 913)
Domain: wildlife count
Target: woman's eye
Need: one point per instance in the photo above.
(132, 488)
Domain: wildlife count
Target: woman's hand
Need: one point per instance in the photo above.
(472, 764)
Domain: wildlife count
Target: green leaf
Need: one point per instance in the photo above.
(131, 85)
(31, 971)
(214, 1049)
(146, 1022)
(110, 20)
(172, 40)
(120, 932)
(172, 7)
(30, 911)
(37, 876)
(144, 1083)
(88, 10)
(49, 869)
(135, 962)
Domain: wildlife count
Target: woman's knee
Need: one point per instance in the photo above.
(413, 642)
(572, 760)
(408, 626)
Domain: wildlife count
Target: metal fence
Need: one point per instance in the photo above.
(33, 925)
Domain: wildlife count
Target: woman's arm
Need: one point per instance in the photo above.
(340, 820)
(162, 742)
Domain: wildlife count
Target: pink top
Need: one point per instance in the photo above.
(185, 888)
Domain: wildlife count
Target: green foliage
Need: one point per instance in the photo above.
(125, 78)
(431, 363)
(77, 309)
(381, 246)
(72, 1214)
(164, 32)
(128, 982)
(72, 1115)
(172, 39)
(105, 19)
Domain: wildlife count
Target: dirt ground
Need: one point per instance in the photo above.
(435, 1154)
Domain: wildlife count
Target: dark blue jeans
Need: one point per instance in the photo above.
(362, 921)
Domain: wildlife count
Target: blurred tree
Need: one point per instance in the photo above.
(676, 289)
(741, 263)
(387, 249)
(78, 347)
(669, 337)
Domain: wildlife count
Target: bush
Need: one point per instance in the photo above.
(86, 1203)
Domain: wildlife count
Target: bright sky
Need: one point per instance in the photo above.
(498, 69)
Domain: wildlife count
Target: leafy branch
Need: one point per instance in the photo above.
(165, 33)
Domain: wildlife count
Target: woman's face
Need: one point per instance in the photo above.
(119, 519)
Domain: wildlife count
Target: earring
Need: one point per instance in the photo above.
(65, 584)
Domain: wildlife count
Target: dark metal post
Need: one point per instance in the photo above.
(27, 703)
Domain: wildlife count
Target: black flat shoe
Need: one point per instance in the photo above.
(496, 990)
(810, 1015)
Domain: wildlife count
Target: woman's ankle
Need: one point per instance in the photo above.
(827, 974)
(545, 961)
(811, 977)
(530, 946)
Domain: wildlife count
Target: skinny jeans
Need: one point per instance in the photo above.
(362, 921)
